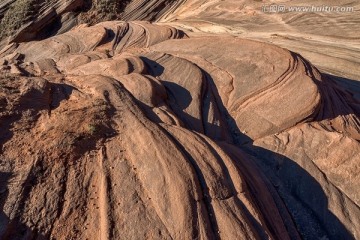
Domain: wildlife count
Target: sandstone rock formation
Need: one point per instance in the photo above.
(139, 130)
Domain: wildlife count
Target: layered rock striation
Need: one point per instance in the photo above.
(137, 130)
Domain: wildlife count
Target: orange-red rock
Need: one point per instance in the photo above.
(133, 130)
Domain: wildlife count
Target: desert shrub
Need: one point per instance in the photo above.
(110, 9)
(92, 128)
(19, 13)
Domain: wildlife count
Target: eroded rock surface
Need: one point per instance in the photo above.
(133, 130)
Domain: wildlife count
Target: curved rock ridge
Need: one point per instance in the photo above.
(26, 20)
(132, 130)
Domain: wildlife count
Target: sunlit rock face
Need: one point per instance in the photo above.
(139, 130)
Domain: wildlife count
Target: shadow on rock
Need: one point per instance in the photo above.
(303, 196)
(350, 86)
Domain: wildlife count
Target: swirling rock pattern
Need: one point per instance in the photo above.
(133, 130)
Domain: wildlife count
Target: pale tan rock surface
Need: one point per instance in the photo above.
(138, 130)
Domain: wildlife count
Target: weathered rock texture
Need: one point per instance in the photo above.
(133, 130)
(25, 20)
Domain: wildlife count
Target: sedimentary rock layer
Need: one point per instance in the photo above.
(132, 130)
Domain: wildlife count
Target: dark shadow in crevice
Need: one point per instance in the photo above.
(59, 92)
(50, 29)
(350, 88)
(155, 69)
(339, 96)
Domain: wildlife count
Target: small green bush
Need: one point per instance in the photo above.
(110, 9)
(92, 128)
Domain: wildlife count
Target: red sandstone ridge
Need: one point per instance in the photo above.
(139, 130)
